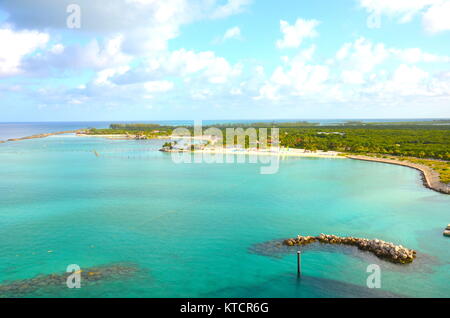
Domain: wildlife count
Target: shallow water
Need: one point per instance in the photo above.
(194, 229)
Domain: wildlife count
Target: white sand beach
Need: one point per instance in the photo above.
(282, 152)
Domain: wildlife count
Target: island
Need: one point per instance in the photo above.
(421, 145)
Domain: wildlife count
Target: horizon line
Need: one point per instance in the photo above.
(245, 119)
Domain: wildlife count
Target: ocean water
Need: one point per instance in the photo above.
(207, 230)
(19, 130)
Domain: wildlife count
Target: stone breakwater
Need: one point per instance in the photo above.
(385, 250)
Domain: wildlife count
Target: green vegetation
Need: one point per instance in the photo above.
(414, 123)
(169, 145)
(442, 167)
(413, 139)
(267, 125)
(136, 127)
(142, 130)
(421, 141)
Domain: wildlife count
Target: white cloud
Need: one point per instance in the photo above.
(230, 8)
(434, 13)
(360, 69)
(408, 80)
(103, 77)
(352, 77)
(358, 60)
(268, 91)
(117, 16)
(403, 81)
(127, 50)
(343, 51)
(201, 94)
(236, 91)
(158, 86)
(293, 35)
(232, 33)
(440, 84)
(184, 64)
(94, 55)
(295, 78)
(305, 55)
(106, 55)
(146, 25)
(15, 46)
(362, 55)
(123, 32)
(416, 55)
(437, 17)
(57, 49)
(404, 9)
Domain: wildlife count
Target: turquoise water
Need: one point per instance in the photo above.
(195, 230)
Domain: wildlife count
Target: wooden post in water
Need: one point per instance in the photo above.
(299, 264)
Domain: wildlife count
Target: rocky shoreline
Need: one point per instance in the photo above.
(385, 250)
(430, 178)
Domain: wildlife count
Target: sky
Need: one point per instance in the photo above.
(92, 60)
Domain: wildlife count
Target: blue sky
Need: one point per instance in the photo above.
(229, 59)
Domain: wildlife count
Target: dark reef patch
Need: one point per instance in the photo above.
(89, 276)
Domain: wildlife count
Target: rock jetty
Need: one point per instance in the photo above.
(447, 231)
(385, 250)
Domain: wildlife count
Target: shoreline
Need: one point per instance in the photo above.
(136, 137)
(430, 178)
(281, 153)
(41, 135)
(112, 137)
